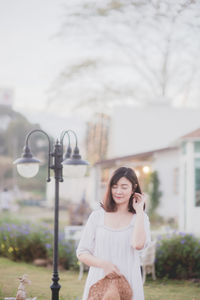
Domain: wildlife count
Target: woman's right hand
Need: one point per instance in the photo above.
(108, 268)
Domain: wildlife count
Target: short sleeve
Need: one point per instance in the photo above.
(87, 241)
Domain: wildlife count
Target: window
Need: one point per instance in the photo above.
(197, 147)
(183, 147)
(197, 181)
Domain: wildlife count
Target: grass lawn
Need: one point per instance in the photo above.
(72, 288)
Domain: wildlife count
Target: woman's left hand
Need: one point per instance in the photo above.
(138, 202)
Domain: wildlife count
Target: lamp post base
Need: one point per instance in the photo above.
(55, 287)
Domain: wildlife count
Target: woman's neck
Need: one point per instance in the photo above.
(122, 209)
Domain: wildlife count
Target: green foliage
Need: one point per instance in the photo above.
(13, 137)
(67, 255)
(26, 242)
(22, 242)
(12, 141)
(178, 257)
(154, 192)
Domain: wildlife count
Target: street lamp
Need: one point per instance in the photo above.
(72, 166)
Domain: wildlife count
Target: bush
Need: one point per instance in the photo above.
(21, 242)
(178, 257)
(67, 255)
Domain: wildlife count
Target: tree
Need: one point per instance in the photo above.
(12, 138)
(12, 141)
(130, 52)
(154, 192)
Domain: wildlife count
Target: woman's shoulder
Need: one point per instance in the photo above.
(97, 212)
(96, 215)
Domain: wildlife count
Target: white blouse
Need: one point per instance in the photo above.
(113, 245)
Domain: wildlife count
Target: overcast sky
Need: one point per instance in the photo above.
(129, 52)
(31, 57)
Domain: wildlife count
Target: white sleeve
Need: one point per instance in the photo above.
(87, 241)
(147, 231)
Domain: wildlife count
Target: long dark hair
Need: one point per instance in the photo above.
(109, 204)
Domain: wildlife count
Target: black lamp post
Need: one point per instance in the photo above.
(73, 165)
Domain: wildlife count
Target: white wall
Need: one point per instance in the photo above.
(71, 189)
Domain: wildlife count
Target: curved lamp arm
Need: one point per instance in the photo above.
(27, 149)
(76, 150)
(69, 149)
(73, 166)
(67, 132)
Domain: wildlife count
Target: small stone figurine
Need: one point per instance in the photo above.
(21, 294)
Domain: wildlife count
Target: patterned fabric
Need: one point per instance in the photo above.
(111, 287)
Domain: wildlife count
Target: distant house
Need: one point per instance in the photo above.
(178, 168)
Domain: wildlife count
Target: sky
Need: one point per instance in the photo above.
(130, 52)
(31, 57)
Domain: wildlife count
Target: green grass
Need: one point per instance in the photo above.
(41, 281)
(171, 290)
(71, 287)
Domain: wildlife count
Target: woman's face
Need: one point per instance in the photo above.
(122, 191)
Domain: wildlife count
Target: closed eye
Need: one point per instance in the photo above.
(114, 186)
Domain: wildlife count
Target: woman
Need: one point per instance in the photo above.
(115, 233)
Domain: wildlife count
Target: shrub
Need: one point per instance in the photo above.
(22, 242)
(154, 192)
(26, 242)
(67, 255)
(178, 257)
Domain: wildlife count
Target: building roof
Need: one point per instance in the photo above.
(193, 134)
(145, 155)
(141, 156)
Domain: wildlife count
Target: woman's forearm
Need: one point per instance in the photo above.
(139, 235)
(91, 260)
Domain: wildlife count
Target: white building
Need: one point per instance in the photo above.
(178, 168)
(151, 137)
(189, 216)
(71, 189)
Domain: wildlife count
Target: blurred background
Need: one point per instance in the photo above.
(124, 75)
